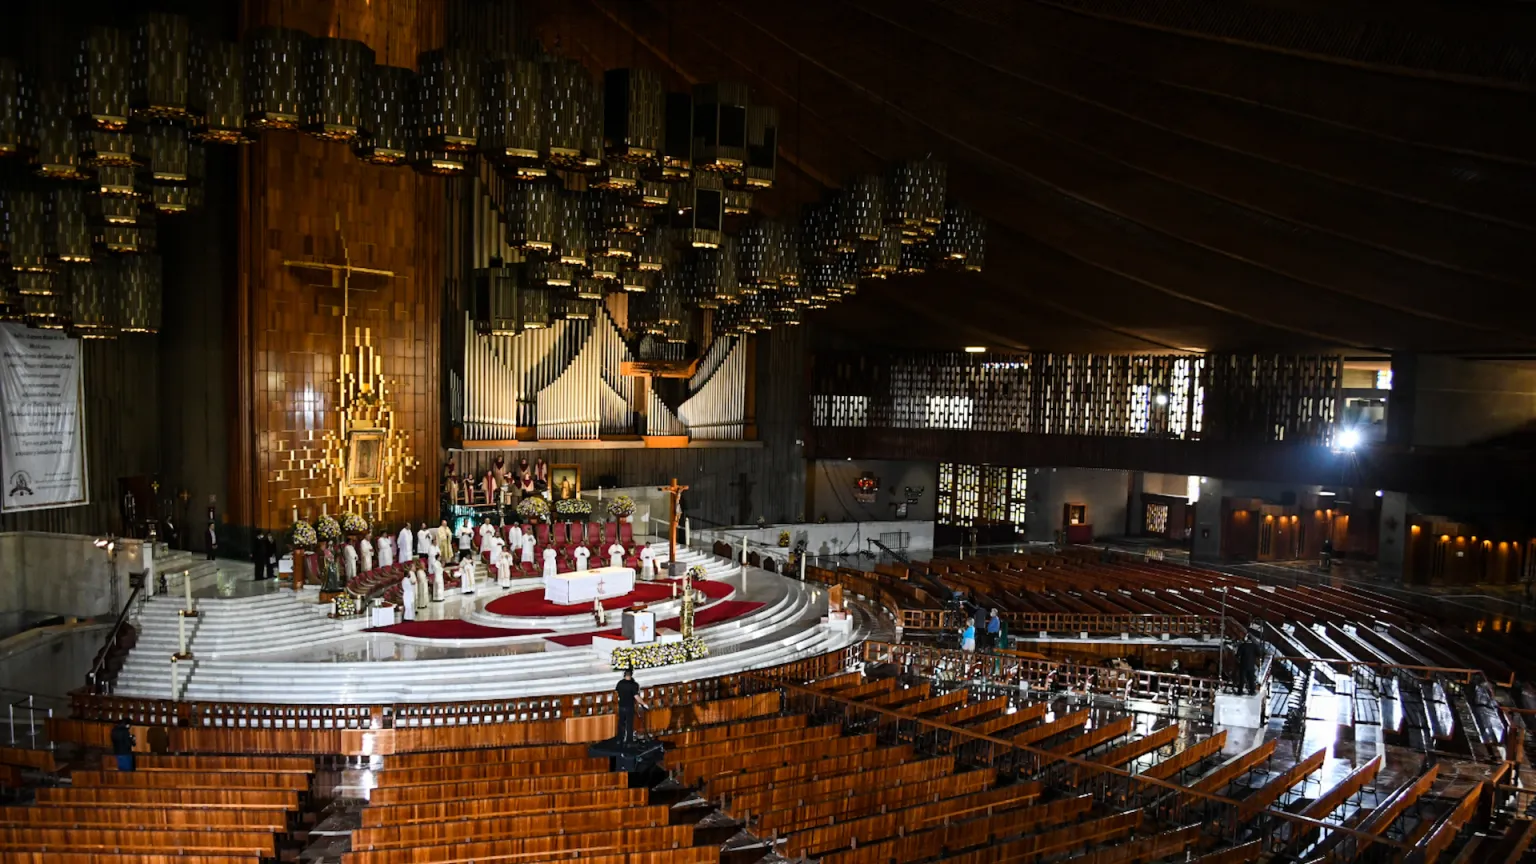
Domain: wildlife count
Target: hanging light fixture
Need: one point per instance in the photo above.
(881, 258)
(12, 306)
(512, 111)
(274, 73)
(574, 119)
(676, 160)
(862, 211)
(168, 152)
(533, 308)
(704, 195)
(570, 307)
(634, 281)
(35, 283)
(621, 217)
(25, 214)
(57, 156)
(67, 227)
(140, 291)
(819, 236)
(17, 104)
(960, 241)
(532, 224)
(118, 181)
(335, 87)
(762, 148)
(720, 127)
(761, 246)
(657, 250)
(616, 176)
(550, 274)
(384, 138)
(221, 90)
(634, 112)
(589, 288)
(737, 202)
(448, 99)
(98, 148)
(914, 196)
(494, 304)
(573, 240)
(101, 79)
(650, 194)
(164, 57)
(93, 307)
(914, 259)
(48, 311)
(714, 279)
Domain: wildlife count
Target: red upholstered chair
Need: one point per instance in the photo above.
(560, 537)
(542, 533)
(626, 534)
(632, 561)
(577, 533)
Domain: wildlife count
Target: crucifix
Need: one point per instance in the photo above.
(677, 499)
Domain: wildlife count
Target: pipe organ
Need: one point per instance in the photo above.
(717, 408)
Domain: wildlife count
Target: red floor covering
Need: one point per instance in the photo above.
(712, 614)
(455, 629)
(531, 604)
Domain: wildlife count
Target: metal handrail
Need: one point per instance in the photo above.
(93, 678)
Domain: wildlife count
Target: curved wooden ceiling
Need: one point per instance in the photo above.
(1157, 176)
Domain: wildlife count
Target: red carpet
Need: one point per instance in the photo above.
(531, 604)
(702, 618)
(455, 629)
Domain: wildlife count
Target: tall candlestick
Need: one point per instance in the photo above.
(186, 581)
(744, 543)
(802, 566)
(687, 532)
(173, 679)
(181, 627)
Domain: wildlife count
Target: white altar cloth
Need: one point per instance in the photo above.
(569, 589)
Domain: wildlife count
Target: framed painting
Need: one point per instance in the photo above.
(564, 481)
(365, 462)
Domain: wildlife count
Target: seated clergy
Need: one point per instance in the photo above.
(581, 554)
(616, 555)
(549, 563)
(528, 545)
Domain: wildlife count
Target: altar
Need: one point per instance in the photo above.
(584, 586)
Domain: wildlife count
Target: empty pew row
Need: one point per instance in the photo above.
(190, 780)
(1188, 757)
(554, 784)
(772, 797)
(534, 848)
(145, 762)
(839, 808)
(1271, 791)
(376, 815)
(814, 842)
(978, 830)
(503, 826)
(489, 771)
(58, 816)
(226, 841)
(1119, 757)
(775, 757)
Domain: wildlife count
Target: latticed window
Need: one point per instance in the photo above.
(988, 493)
(1018, 504)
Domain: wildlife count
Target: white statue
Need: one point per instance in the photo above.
(616, 555)
(581, 554)
(549, 564)
(386, 551)
(408, 596)
(407, 540)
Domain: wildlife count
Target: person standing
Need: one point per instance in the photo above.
(994, 630)
(407, 542)
(122, 746)
(365, 549)
(386, 550)
(445, 541)
(628, 691)
(408, 596)
(968, 637)
(426, 542)
(466, 536)
(213, 540)
(259, 555)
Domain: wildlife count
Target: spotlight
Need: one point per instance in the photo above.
(1162, 399)
(975, 349)
(1380, 493)
(1349, 439)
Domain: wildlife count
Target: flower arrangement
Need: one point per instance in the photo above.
(345, 605)
(660, 654)
(327, 528)
(303, 534)
(533, 509)
(353, 523)
(761, 521)
(621, 507)
(569, 507)
(696, 571)
(784, 539)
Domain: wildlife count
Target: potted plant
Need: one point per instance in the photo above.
(533, 509)
(621, 507)
(573, 509)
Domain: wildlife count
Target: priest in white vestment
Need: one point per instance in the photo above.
(437, 579)
(348, 562)
(386, 551)
(408, 596)
(581, 554)
(615, 555)
(365, 549)
(647, 563)
(515, 536)
(407, 541)
(466, 537)
(426, 542)
(503, 559)
(467, 576)
(528, 549)
(423, 588)
(549, 564)
(487, 531)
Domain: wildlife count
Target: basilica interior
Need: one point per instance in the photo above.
(684, 432)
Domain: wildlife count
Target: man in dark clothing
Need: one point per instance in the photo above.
(259, 552)
(122, 746)
(629, 693)
(1248, 666)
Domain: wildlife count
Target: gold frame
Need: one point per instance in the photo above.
(355, 482)
(554, 481)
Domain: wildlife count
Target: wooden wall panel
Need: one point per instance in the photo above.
(294, 189)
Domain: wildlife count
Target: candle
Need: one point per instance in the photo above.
(173, 679)
(687, 532)
(181, 627)
(186, 581)
(802, 566)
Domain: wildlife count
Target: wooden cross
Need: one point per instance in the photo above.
(677, 497)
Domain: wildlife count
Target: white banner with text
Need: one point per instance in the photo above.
(42, 430)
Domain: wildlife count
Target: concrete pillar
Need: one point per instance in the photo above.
(1135, 513)
(1391, 546)
(1041, 515)
(1206, 545)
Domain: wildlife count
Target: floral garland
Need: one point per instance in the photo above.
(328, 529)
(621, 507)
(573, 507)
(660, 654)
(533, 508)
(303, 534)
(352, 523)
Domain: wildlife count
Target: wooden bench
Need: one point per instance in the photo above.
(810, 769)
(1445, 831)
(774, 797)
(377, 815)
(952, 836)
(190, 818)
(231, 764)
(483, 755)
(959, 716)
(1159, 846)
(1129, 752)
(26, 757)
(24, 857)
(1386, 812)
(836, 682)
(224, 842)
(1244, 854)
(1270, 792)
(1095, 737)
(897, 698)
(1188, 757)
(1047, 731)
(750, 729)
(1223, 775)
(519, 786)
(1330, 800)
(533, 848)
(937, 704)
(1027, 714)
(230, 799)
(895, 796)
(1055, 842)
(506, 827)
(814, 842)
(190, 780)
(694, 771)
(787, 739)
(488, 771)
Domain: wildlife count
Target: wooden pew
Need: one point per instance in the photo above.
(902, 697)
(790, 738)
(1330, 800)
(120, 858)
(774, 797)
(1163, 845)
(533, 848)
(26, 757)
(1188, 757)
(1128, 752)
(895, 796)
(500, 806)
(519, 786)
(1517, 839)
(1027, 714)
(10, 776)
(1270, 792)
(190, 780)
(814, 842)
(1095, 737)
(1385, 813)
(937, 703)
(233, 764)
(959, 716)
(751, 729)
(1050, 730)
(810, 769)
(509, 827)
(864, 691)
(489, 771)
(150, 817)
(836, 682)
(483, 755)
(224, 842)
(1445, 831)
(1051, 843)
(226, 799)
(755, 760)
(1247, 853)
(967, 832)
(1234, 768)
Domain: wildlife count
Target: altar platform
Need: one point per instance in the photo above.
(280, 647)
